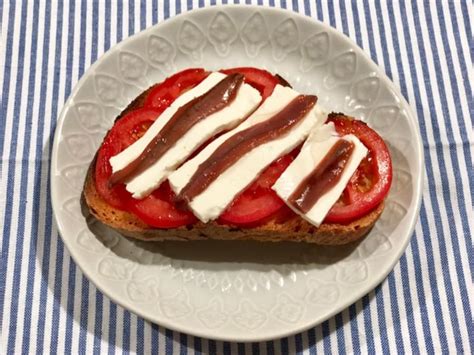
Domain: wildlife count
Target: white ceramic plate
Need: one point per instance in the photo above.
(234, 290)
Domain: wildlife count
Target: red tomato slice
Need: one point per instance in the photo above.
(126, 131)
(258, 201)
(371, 182)
(165, 93)
(158, 209)
(260, 79)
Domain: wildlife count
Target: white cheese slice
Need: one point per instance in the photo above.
(246, 100)
(221, 192)
(313, 151)
(128, 155)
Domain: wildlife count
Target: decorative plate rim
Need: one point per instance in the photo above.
(249, 336)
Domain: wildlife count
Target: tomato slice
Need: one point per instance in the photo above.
(260, 79)
(159, 210)
(127, 130)
(371, 182)
(258, 201)
(165, 93)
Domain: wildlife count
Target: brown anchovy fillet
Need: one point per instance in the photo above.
(323, 178)
(230, 151)
(182, 121)
(282, 81)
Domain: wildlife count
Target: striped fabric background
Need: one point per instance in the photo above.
(47, 305)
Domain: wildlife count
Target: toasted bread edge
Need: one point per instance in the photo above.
(294, 229)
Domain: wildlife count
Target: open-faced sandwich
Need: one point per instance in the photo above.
(237, 154)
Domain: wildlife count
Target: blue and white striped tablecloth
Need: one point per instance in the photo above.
(48, 306)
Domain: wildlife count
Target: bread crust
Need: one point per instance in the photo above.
(293, 229)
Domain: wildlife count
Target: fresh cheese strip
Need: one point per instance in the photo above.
(313, 151)
(129, 154)
(246, 100)
(212, 202)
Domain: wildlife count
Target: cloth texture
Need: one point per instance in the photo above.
(424, 306)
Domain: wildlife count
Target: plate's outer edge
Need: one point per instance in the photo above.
(260, 302)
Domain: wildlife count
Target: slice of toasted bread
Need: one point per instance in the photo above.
(293, 229)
